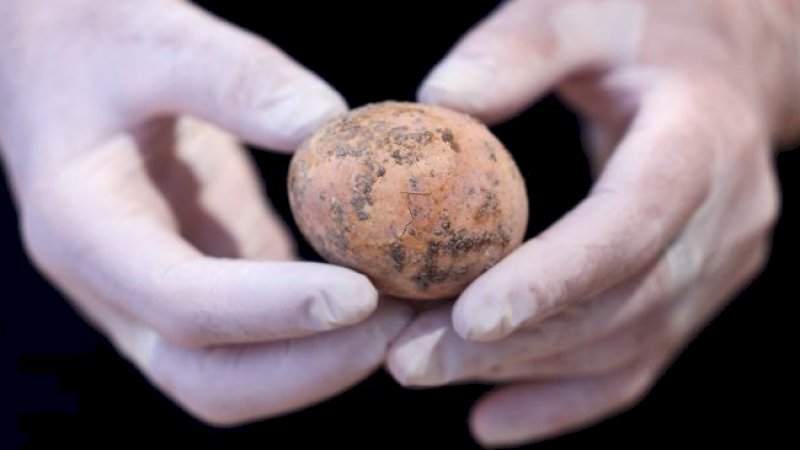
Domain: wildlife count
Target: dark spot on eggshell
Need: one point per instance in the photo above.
(398, 255)
(449, 138)
(489, 207)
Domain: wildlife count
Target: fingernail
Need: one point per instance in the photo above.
(456, 81)
(413, 361)
(302, 111)
(490, 321)
(347, 304)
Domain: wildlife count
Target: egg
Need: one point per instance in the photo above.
(419, 198)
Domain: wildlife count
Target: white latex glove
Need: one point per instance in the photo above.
(680, 101)
(155, 226)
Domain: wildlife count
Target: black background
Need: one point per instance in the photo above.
(61, 384)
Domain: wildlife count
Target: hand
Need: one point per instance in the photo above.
(154, 225)
(680, 101)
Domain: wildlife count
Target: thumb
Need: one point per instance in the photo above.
(526, 47)
(198, 65)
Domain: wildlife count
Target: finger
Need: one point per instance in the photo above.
(113, 233)
(534, 411)
(431, 353)
(190, 62)
(211, 186)
(656, 179)
(648, 337)
(232, 385)
(525, 48)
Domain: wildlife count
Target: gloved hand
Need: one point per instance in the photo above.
(154, 225)
(680, 101)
